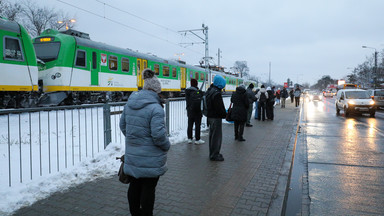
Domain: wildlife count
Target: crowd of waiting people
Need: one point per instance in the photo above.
(146, 141)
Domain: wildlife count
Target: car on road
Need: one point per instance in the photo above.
(327, 93)
(354, 101)
(378, 97)
(315, 96)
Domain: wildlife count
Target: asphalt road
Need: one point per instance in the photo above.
(345, 158)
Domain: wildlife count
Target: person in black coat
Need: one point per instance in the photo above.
(284, 95)
(240, 105)
(216, 112)
(194, 115)
(270, 103)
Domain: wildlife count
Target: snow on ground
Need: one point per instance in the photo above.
(102, 165)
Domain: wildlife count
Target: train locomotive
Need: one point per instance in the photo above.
(65, 68)
(18, 66)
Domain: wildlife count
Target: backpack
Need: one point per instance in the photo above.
(196, 100)
(263, 97)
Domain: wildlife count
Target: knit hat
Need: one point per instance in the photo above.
(194, 83)
(219, 82)
(268, 88)
(251, 86)
(150, 81)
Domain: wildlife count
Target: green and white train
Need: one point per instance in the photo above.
(18, 67)
(72, 69)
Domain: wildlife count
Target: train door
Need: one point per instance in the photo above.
(94, 70)
(141, 65)
(183, 78)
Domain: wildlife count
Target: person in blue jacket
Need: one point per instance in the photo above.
(146, 144)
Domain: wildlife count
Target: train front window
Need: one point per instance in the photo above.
(12, 49)
(47, 51)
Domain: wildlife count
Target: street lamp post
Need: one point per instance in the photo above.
(66, 23)
(375, 68)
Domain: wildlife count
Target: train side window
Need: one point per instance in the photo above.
(165, 71)
(157, 69)
(94, 60)
(197, 75)
(174, 72)
(112, 62)
(12, 49)
(202, 77)
(81, 58)
(125, 64)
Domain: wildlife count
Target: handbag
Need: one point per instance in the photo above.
(229, 113)
(123, 178)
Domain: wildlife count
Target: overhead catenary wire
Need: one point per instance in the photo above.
(127, 26)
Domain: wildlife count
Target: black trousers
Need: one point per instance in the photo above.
(261, 110)
(239, 129)
(269, 110)
(297, 101)
(215, 137)
(141, 196)
(292, 99)
(197, 121)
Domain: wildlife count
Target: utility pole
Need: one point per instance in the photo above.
(269, 82)
(204, 29)
(218, 57)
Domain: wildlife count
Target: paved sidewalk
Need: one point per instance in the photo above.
(251, 181)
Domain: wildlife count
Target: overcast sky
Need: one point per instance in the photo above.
(304, 40)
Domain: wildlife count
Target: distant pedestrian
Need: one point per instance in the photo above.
(262, 98)
(240, 105)
(216, 112)
(270, 103)
(291, 95)
(251, 98)
(278, 96)
(146, 144)
(256, 103)
(284, 96)
(193, 99)
(297, 94)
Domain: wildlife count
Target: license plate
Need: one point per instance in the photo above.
(363, 109)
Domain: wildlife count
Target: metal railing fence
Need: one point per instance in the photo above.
(39, 141)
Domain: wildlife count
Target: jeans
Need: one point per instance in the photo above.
(141, 196)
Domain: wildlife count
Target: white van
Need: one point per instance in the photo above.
(354, 101)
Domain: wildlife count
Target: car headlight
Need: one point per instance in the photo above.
(372, 102)
(351, 102)
(311, 97)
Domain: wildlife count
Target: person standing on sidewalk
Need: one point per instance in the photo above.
(278, 96)
(256, 104)
(146, 144)
(193, 99)
(297, 94)
(216, 112)
(251, 98)
(240, 104)
(262, 98)
(284, 95)
(291, 94)
(270, 103)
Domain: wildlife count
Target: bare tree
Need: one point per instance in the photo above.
(242, 68)
(10, 11)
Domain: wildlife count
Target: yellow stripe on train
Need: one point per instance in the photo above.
(18, 88)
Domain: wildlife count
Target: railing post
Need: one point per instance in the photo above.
(107, 124)
(167, 116)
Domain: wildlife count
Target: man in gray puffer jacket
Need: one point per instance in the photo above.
(146, 144)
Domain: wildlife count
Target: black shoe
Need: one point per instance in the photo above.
(241, 139)
(248, 125)
(218, 158)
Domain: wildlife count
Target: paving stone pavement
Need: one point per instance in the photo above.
(251, 181)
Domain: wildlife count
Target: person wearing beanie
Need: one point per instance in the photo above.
(193, 98)
(216, 112)
(262, 97)
(251, 98)
(146, 144)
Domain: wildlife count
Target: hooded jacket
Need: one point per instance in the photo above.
(146, 141)
(240, 104)
(190, 112)
(262, 90)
